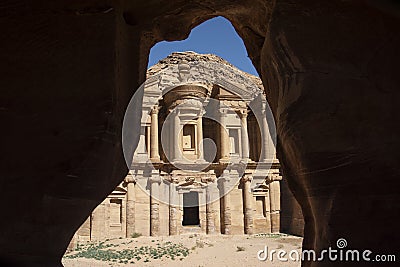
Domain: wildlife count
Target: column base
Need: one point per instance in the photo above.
(246, 160)
(155, 160)
(201, 161)
(224, 160)
(140, 157)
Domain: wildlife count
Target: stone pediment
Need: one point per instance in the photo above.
(189, 68)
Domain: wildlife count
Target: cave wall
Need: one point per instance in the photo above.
(292, 219)
(69, 68)
(67, 74)
(333, 86)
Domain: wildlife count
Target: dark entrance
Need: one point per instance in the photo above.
(191, 209)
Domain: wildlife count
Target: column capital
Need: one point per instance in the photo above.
(260, 109)
(130, 179)
(247, 178)
(172, 178)
(155, 179)
(154, 109)
(243, 113)
(208, 179)
(274, 177)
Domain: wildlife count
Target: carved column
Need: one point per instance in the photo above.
(130, 205)
(260, 112)
(175, 138)
(275, 202)
(268, 210)
(226, 201)
(248, 205)
(107, 209)
(141, 151)
(244, 135)
(154, 181)
(224, 137)
(264, 133)
(211, 197)
(154, 153)
(173, 203)
(200, 151)
(99, 221)
(267, 152)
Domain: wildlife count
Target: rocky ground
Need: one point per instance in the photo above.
(184, 250)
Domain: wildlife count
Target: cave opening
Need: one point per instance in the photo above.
(215, 36)
(218, 36)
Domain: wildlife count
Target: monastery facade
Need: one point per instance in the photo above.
(205, 159)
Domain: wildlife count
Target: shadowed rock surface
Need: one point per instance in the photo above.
(69, 68)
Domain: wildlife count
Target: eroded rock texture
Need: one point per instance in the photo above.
(68, 70)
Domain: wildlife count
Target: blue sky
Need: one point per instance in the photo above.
(215, 36)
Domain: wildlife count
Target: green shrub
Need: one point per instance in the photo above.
(136, 235)
(240, 249)
(102, 251)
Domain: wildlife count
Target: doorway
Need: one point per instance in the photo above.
(191, 209)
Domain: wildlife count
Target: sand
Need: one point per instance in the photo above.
(203, 250)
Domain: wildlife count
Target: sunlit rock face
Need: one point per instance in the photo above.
(70, 68)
